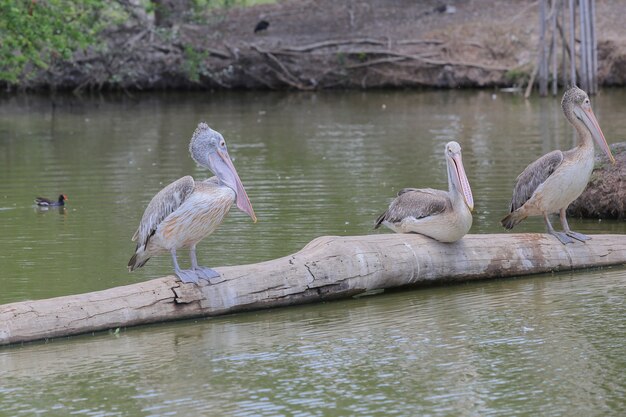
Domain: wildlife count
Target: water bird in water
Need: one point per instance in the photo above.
(553, 181)
(186, 211)
(44, 202)
(442, 215)
(262, 25)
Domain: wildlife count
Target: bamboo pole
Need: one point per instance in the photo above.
(329, 267)
(560, 25)
(553, 48)
(584, 69)
(588, 46)
(572, 41)
(543, 59)
(594, 47)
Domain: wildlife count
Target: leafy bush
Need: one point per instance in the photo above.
(35, 33)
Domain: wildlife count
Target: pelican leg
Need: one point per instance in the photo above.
(202, 271)
(563, 238)
(570, 233)
(185, 275)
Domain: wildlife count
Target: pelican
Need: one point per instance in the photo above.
(553, 181)
(444, 216)
(186, 211)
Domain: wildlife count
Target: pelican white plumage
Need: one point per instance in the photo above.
(553, 181)
(186, 211)
(442, 215)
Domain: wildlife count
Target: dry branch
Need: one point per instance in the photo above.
(420, 41)
(531, 82)
(289, 76)
(217, 53)
(377, 62)
(390, 57)
(285, 76)
(327, 44)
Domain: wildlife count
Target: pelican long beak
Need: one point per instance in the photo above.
(590, 121)
(459, 171)
(227, 173)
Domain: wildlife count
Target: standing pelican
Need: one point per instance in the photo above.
(553, 181)
(444, 216)
(186, 211)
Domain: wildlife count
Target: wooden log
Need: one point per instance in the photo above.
(329, 267)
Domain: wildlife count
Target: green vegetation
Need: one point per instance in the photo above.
(193, 62)
(517, 76)
(35, 33)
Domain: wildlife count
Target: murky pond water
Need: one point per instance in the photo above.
(313, 164)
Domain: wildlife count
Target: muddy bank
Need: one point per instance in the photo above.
(326, 44)
(605, 195)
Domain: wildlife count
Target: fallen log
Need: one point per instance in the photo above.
(329, 267)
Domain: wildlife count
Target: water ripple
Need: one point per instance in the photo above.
(549, 345)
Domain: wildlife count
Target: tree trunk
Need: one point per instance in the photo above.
(327, 268)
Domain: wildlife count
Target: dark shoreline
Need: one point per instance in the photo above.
(481, 45)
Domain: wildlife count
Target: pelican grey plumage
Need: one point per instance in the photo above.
(444, 216)
(553, 181)
(186, 211)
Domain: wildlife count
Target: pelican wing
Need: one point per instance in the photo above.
(414, 202)
(533, 176)
(162, 205)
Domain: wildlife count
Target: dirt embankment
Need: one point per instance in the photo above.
(315, 44)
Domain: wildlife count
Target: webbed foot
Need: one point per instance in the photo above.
(206, 273)
(578, 236)
(563, 238)
(187, 275)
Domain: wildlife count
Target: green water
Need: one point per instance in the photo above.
(313, 164)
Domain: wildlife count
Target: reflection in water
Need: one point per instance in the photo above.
(515, 347)
(313, 164)
(42, 210)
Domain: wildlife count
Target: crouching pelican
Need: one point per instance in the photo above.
(186, 211)
(444, 216)
(553, 181)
